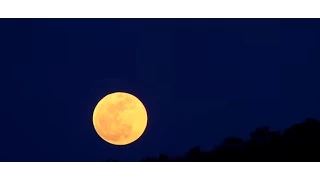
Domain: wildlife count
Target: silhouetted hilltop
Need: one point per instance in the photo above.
(300, 142)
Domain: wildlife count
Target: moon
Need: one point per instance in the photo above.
(120, 118)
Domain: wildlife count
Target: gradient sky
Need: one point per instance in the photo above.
(200, 80)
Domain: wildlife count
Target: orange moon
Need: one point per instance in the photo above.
(120, 118)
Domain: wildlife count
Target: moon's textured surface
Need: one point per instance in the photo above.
(120, 118)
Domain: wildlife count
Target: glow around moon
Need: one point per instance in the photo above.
(120, 118)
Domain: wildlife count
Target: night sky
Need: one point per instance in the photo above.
(200, 80)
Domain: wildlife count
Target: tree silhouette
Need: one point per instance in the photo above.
(300, 142)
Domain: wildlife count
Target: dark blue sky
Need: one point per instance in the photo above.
(200, 80)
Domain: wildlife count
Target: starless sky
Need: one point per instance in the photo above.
(200, 80)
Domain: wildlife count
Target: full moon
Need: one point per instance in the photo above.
(120, 118)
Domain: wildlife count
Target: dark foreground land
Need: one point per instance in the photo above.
(300, 142)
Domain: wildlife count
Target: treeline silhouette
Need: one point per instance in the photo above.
(300, 142)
